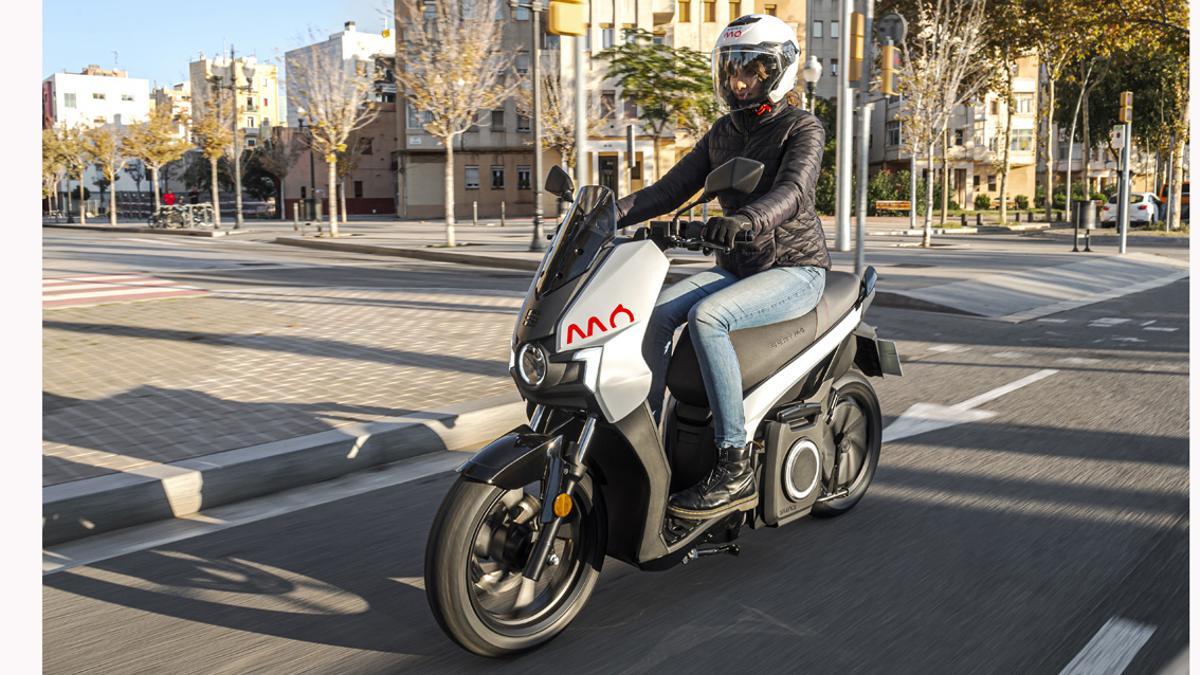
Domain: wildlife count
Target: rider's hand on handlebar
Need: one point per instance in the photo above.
(723, 230)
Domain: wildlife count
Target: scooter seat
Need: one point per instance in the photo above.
(763, 350)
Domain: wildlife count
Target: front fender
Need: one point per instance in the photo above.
(514, 460)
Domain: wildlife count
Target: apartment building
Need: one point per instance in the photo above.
(178, 99)
(94, 96)
(259, 105)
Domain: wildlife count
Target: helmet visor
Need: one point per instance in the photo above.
(743, 77)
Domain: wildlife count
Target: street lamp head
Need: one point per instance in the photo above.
(248, 68)
(812, 70)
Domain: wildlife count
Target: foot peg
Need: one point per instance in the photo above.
(699, 551)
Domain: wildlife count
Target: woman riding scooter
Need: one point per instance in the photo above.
(778, 275)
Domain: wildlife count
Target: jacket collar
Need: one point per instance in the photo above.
(751, 118)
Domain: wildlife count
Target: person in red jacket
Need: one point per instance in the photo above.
(169, 199)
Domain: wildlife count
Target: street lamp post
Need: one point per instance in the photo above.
(537, 242)
(812, 73)
(248, 69)
(312, 170)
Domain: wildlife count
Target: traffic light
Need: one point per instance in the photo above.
(887, 70)
(567, 17)
(858, 35)
(1126, 112)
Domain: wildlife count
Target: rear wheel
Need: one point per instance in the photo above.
(478, 546)
(857, 428)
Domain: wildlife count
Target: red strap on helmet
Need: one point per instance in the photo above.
(763, 109)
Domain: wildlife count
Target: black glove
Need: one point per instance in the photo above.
(722, 230)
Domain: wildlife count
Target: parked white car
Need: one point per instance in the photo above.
(1144, 207)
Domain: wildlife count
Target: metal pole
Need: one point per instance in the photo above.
(537, 243)
(237, 151)
(1123, 207)
(581, 176)
(912, 190)
(1168, 212)
(845, 122)
(864, 135)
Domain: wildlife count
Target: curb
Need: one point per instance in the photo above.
(93, 505)
(140, 230)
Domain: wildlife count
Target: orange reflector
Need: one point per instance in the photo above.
(562, 505)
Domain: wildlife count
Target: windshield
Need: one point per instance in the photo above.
(586, 228)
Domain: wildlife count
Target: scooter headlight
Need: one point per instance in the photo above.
(532, 364)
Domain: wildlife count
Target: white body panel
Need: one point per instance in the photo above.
(610, 314)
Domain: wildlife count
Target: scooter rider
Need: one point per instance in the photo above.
(778, 275)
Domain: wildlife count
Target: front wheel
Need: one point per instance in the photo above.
(478, 546)
(857, 428)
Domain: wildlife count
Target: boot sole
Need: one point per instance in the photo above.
(744, 504)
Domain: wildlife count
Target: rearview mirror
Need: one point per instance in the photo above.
(738, 174)
(559, 183)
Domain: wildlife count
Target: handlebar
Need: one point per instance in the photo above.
(667, 234)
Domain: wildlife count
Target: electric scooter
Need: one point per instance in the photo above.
(517, 545)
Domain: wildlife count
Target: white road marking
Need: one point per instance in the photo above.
(1107, 322)
(1111, 650)
(949, 349)
(1052, 320)
(925, 417)
(1147, 323)
(1161, 329)
(154, 241)
(1077, 361)
(130, 540)
(1126, 339)
(1009, 355)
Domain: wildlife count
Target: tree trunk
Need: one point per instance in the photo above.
(1087, 148)
(1049, 148)
(333, 211)
(448, 180)
(82, 201)
(216, 195)
(280, 208)
(68, 191)
(1006, 164)
(112, 201)
(1176, 195)
(342, 200)
(945, 174)
(912, 190)
(154, 184)
(927, 236)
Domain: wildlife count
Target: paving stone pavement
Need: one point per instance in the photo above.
(132, 384)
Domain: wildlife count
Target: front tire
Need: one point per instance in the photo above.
(858, 430)
(477, 548)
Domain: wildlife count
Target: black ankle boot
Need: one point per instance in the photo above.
(729, 487)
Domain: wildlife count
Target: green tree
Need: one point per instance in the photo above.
(213, 137)
(671, 86)
(156, 143)
(103, 146)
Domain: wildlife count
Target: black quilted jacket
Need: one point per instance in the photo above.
(786, 231)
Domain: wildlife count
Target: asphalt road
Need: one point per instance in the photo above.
(998, 546)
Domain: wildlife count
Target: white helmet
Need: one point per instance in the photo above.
(755, 62)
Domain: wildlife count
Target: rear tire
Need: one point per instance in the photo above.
(858, 428)
(465, 597)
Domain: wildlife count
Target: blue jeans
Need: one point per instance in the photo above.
(714, 303)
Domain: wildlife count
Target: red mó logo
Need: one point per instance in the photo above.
(594, 322)
(733, 34)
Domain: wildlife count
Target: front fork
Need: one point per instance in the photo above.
(563, 474)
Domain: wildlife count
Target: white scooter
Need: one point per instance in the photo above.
(518, 543)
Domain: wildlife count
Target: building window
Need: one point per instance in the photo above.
(685, 11)
(834, 32)
(522, 64)
(523, 182)
(126, 97)
(497, 120)
(522, 123)
(636, 172)
(627, 29)
(608, 104)
(69, 100)
(818, 29)
(497, 177)
(430, 9)
(499, 11)
(522, 14)
(250, 122)
(991, 182)
(630, 109)
(995, 106)
(1024, 104)
(735, 9)
(606, 35)
(770, 10)
(304, 195)
(550, 41)
(96, 96)
(710, 11)
(658, 38)
(1021, 140)
(366, 146)
(471, 178)
(976, 181)
(958, 137)
(416, 119)
(358, 189)
(250, 142)
(833, 67)
(893, 133)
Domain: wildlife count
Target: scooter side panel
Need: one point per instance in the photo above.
(514, 460)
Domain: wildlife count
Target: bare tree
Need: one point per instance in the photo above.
(275, 156)
(55, 163)
(336, 96)
(156, 144)
(449, 64)
(104, 146)
(942, 69)
(558, 115)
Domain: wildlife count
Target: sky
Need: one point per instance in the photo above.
(157, 40)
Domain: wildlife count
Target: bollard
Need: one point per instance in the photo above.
(1017, 217)
(978, 220)
(1029, 216)
(962, 219)
(296, 217)
(475, 214)
(502, 213)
